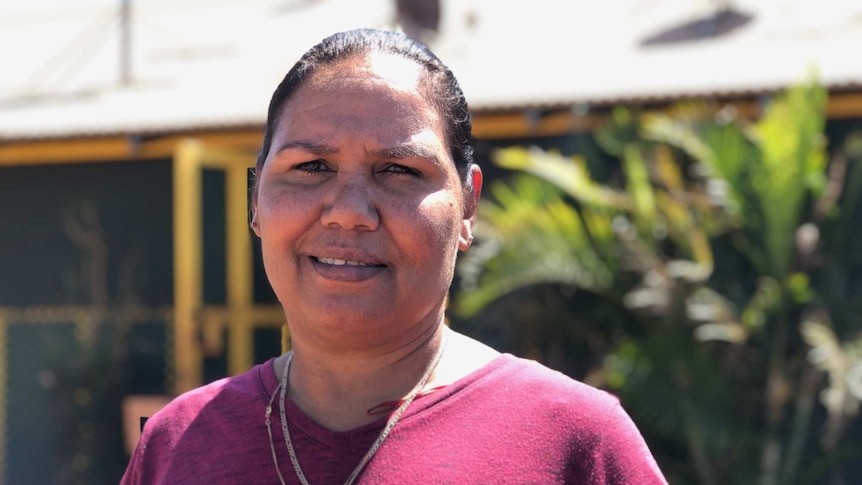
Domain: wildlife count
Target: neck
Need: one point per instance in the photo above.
(336, 389)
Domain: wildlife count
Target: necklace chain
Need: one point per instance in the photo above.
(281, 391)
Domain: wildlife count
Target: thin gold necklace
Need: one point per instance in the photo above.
(393, 420)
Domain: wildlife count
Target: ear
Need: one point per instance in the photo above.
(471, 204)
(255, 224)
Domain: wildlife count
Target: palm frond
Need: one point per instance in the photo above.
(640, 189)
(790, 137)
(721, 147)
(569, 174)
(531, 235)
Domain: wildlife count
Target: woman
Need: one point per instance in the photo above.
(366, 191)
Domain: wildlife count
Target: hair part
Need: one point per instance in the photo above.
(438, 83)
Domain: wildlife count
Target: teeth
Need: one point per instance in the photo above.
(341, 262)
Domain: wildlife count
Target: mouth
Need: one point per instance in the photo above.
(345, 262)
(351, 269)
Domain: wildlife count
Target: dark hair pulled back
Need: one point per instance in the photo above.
(440, 84)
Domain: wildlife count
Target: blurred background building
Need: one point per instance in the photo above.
(127, 128)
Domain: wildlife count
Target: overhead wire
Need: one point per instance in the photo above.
(70, 60)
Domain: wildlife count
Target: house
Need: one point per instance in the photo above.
(127, 130)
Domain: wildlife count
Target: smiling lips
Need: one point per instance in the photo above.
(344, 262)
(345, 270)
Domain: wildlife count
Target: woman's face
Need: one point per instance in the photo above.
(359, 206)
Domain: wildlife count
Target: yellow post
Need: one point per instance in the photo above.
(188, 264)
(239, 262)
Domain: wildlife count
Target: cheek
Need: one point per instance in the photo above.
(283, 208)
(273, 199)
(440, 221)
(283, 218)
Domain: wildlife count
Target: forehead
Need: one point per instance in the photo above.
(388, 75)
(383, 90)
(396, 71)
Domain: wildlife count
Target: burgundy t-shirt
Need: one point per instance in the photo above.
(513, 421)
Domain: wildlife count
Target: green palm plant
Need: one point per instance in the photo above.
(718, 364)
(557, 242)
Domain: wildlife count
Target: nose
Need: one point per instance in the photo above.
(351, 206)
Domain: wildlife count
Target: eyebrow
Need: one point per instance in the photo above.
(398, 152)
(316, 148)
(407, 150)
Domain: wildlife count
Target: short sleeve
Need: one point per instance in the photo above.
(621, 455)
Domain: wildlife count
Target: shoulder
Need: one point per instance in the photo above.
(484, 374)
(603, 441)
(217, 401)
(534, 380)
(199, 428)
(532, 396)
(187, 406)
(574, 407)
(578, 433)
(180, 435)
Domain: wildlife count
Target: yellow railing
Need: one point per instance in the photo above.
(240, 315)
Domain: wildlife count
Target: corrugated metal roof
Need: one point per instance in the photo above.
(210, 64)
(195, 64)
(602, 52)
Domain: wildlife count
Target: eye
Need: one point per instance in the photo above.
(400, 170)
(313, 166)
